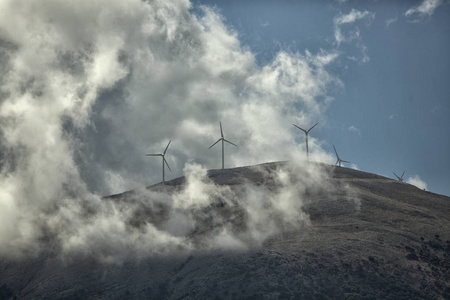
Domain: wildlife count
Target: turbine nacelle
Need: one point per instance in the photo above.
(222, 139)
(164, 161)
(305, 131)
(306, 137)
(401, 177)
(339, 160)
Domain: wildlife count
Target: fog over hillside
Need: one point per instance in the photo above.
(264, 231)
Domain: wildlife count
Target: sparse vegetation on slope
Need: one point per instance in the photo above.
(367, 237)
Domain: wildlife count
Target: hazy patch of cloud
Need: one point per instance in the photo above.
(392, 117)
(264, 24)
(354, 129)
(390, 21)
(437, 109)
(354, 166)
(417, 181)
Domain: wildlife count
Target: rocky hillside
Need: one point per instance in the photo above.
(362, 236)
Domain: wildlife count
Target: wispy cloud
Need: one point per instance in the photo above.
(426, 8)
(354, 34)
(349, 18)
(416, 181)
(354, 129)
(364, 51)
(388, 22)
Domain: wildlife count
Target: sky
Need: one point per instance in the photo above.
(88, 88)
(391, 112)
(93, 88)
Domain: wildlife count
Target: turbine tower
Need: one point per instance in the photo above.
(306, 134)
(339, 160)
(401, 177)
(223, 140)
(164, 161)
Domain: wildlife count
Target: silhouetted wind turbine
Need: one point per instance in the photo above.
(223, 140)
(164, 161)
(401, 177)
(306, 134)
(339, 160)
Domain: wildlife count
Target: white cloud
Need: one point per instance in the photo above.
(415, 180)
(426, 8)
(351, 17)
(89, 87)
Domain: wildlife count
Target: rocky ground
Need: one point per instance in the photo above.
(372, 238)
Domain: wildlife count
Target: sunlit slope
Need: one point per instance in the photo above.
(366, 236)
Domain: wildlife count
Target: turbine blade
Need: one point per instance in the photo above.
(153, 154)
(336, 153)
(215, 143)
(402, 175)
(312, 127)
(167, 147)
(300, 128)
(345, 161)
(167, 164)
(221, 132)
(396, 176)
(230, 142)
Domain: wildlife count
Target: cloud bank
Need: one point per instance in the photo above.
(87, 88)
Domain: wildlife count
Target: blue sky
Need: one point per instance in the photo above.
(392, 113)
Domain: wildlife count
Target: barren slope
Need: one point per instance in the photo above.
(385, 240)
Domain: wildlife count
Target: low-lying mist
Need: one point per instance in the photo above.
(198, 215)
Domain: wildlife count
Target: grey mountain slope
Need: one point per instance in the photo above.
(395, 246)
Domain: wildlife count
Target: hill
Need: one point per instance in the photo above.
(321, 233)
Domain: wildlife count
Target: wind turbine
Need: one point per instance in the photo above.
(401, 177)
(223, 140)
(306, 134)
(164, 161)
(339, 160)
